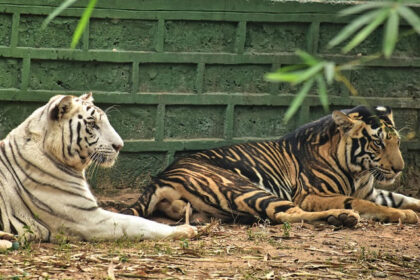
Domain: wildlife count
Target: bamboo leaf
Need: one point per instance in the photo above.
(297, 101)
(307, 58)
(329, 71)
(56, 12)
(282, 77)
(360, 8)
(410, 17)
(322, 91)
(352, 27)
(290, 68)
(82, 23)
(310, 72)
(391, 33)
(361, 36)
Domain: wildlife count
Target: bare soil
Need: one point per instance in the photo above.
(372, 250)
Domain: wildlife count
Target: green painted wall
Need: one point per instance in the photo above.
(183, 76)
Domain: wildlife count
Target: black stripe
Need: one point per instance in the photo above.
(62, 143)
(369, 193)
(392, 199)
(91, 208)
(71, 138)
(66, 169)
(79, 139)
(347, 203)
(384, 202)
(283, 208)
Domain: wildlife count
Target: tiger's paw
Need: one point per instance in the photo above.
(345, 218)
(406, 216)
(184, 231)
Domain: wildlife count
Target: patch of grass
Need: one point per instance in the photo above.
(286, 229)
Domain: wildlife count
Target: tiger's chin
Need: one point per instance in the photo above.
(386, 178)
(105, 161)
(385, 182)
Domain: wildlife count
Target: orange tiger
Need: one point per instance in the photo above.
(324, 171)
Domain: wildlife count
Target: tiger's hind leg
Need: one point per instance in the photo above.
(161, 197)
(175, 209)
(365, 208)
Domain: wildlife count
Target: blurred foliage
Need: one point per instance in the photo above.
(370, 16)
(83, 22)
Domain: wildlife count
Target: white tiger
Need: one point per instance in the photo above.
(43, 188)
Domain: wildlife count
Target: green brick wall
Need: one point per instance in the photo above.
(178, 77)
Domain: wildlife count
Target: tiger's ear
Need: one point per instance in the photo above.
(87, 97)
(61, 109)
(342, 121)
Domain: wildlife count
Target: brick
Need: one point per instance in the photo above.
(155, 77)
(387, 82)
(122, 34)
(5, 29)
(85, 76)
(133, 121)
(58, 33)
(260, 121)
(10, 69)
(263, 37)
(327, 31)
(12, 114)
(199, 36)
(236, 78)
(408, 45)
(132, 170)
(194, 122)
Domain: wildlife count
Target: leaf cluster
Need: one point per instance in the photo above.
(368, 17)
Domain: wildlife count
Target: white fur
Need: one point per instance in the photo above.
(38, 199)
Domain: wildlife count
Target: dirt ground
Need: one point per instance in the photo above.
(370, 251)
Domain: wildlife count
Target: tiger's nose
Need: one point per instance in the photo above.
(117, 148)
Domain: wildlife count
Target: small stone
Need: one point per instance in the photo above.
(15, 245)
(379, 274)
(5, 245)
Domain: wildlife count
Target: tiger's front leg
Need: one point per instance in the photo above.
(365, 208)
(392, 199)
(105, 225)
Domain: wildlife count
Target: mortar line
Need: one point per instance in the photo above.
(199, 80)
(160, 35)
(26, 67)
(240, 37)
(160, 123)
(85, 46)
(274, 87)
(170, 155)
(228, 125)
(135, 77)
(303, 113)
(312, 37)
(14, 36)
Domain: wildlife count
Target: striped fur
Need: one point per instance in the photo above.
(43, 189)
(325, 170)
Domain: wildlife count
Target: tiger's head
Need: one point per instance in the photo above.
(370, 142)
(79, 133)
